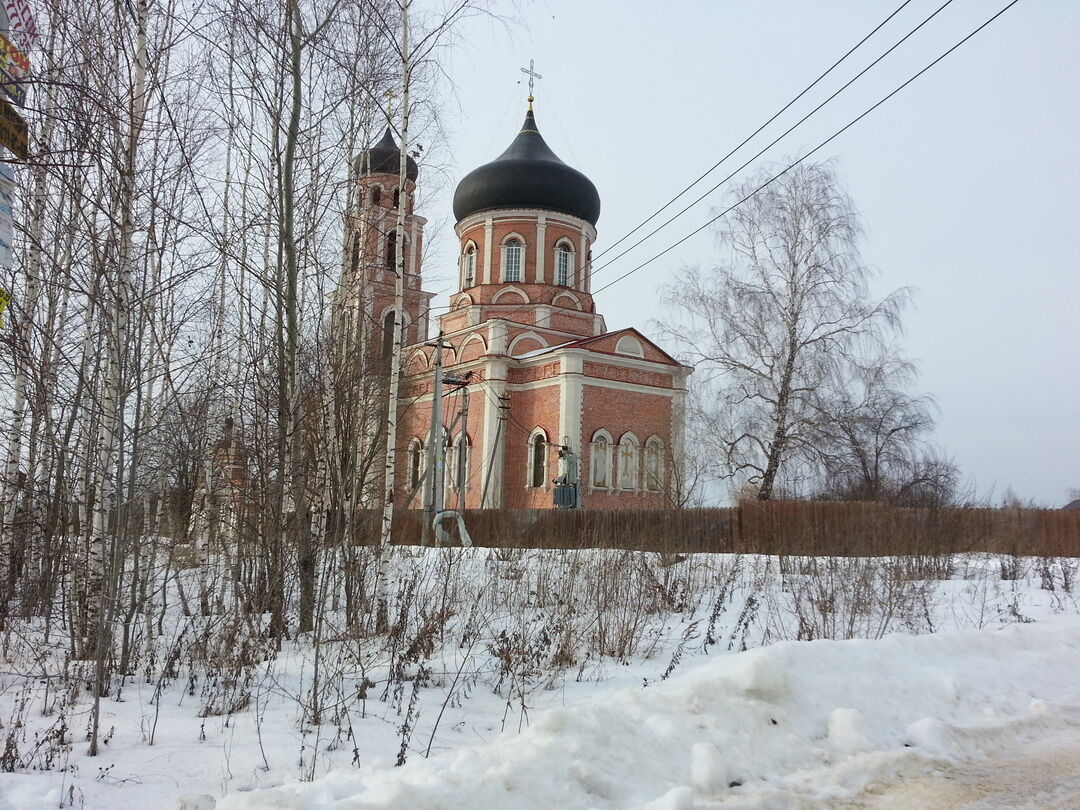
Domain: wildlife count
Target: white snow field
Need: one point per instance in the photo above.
(592, 679)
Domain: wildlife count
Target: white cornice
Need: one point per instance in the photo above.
(525, 215)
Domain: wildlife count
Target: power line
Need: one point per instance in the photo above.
(771, 144)
(592, 272)
(821, 145)
(749, 137)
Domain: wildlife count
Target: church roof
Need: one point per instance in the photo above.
(527, 175)
(385, 158)
(590, 341)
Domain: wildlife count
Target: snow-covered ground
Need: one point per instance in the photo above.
(580, 680)
(791, 725)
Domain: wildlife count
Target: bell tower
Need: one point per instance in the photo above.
(366, 294)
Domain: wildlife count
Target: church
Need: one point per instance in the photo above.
(537, 392)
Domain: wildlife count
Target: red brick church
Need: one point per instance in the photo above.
(550, 391)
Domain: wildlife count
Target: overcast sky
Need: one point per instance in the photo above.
(968, 180)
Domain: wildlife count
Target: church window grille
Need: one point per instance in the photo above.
(537, 460)
(563, 265)
(512, 261)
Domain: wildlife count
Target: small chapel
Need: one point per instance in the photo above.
(537, 391)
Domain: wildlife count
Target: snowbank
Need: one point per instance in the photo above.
(786, 725)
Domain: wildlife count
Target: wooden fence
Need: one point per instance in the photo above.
(772, 527)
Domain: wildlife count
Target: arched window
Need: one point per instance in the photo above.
(469, 267)
(564, 265)
(628, 461)
(376, 195)
(397, 197)
(600, 460)
(628, 344)
(416, 463)
(355, 259)
(512, 254)
(654, 464)
(391, 250)
(537, 459)
(388, 335)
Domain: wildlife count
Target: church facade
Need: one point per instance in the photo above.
(537, 389)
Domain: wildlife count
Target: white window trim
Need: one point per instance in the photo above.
(638, 350)
(561, 247)
(628, 439)
(566, 295)
(544, 484)
(526, 336)
(654, 444)
(513, 237)
(415, 445)
(470, 252)
(609, 443)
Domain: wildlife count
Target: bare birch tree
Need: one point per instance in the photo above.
(769, 326)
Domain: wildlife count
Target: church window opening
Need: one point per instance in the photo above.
(628, 461)
(355, 259)
(470, 267)
(376, 195)
(654, 465)
(397, 197)
(600, 462)
(512, 261)
(563, 265)
(416, 463)
(537, 460)
(388, 335)
(630, 345)
(391, 250)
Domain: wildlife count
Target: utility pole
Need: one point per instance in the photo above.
(504, 406)
(463, 447)
(436, 449)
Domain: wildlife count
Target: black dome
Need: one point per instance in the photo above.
(527, 175)
(385, 158)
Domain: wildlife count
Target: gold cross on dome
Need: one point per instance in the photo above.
(532, 74)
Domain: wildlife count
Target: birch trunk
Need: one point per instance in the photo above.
(389, 482)
(116, 322)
